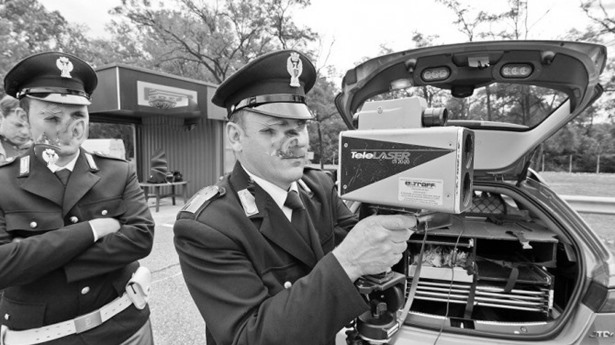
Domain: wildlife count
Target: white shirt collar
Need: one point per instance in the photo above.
(70, 165)
(277, 194)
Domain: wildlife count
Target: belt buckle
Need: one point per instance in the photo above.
(88, 321)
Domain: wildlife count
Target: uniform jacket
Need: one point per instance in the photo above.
(253, 278)
(50, 267)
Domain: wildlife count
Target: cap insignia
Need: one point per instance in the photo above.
(295, 68)
(65, 66)
(50, 157)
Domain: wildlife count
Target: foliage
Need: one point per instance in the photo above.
(600, 15)
(28, 28)
(588, 136)
(210, 40)
(324, 131)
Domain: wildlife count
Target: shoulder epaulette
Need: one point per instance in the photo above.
(106, 155)
(311, 167)
(199, 201)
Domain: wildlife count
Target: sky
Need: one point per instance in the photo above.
(353, 29)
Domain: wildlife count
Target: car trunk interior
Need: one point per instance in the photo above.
(502, 267)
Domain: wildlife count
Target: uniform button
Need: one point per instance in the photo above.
(74, 219)
(85, 290)
(33, 225)
(6, 316)
(287, 285)
(104, 212)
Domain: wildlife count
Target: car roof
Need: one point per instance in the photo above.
(561, 76)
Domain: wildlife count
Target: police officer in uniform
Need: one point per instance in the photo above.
(73, 225)
(14, 129)
(268, 253)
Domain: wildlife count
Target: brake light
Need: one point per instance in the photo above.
(516, 70)
(436, 74)
(599, 298)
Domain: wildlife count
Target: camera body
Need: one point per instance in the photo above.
(403, 155)
(402, 159)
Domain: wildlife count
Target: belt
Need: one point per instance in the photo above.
(137, 291)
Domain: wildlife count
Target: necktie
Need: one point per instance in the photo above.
(299, 217)
(63, 175)
(293, 201)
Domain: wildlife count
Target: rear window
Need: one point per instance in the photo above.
(511, 105)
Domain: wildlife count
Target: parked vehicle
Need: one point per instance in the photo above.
(517, 264)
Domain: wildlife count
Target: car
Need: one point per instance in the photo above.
(449, 134)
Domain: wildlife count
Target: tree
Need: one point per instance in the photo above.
(603, 31)
(26, 28)
(327, 122)
(599, 14)
(210, 40)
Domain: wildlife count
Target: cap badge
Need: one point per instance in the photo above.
(295, 68)
(65, 66)
(50, 157)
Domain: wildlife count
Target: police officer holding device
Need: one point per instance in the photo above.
(270, 253)
(72, 224)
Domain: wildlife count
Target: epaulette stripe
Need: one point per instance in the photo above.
(91, 161)
(304, 186)
(24, 166)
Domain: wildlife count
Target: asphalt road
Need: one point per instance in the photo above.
(175, 319)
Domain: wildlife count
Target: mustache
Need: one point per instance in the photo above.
(290, 149)
(290, 154)
(44, 141)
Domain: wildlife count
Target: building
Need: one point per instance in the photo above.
(165, 112)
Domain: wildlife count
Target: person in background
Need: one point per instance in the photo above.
(271, 253)
(73, 225)
(14, 129)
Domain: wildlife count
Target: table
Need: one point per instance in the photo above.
(155, 190)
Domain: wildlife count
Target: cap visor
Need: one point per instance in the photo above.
(298, 111)
(63, 99)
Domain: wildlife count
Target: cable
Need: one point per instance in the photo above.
(450, 288)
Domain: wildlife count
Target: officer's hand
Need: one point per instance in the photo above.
(374, 245)
(104, 226)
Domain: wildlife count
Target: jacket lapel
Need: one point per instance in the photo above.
(278, 229)
(274, 226)
(39, 180)
(80, 182)
(313, 207)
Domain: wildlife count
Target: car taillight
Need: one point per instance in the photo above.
(599, 298)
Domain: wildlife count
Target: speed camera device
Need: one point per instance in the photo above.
(403, 158)
(404, 155)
